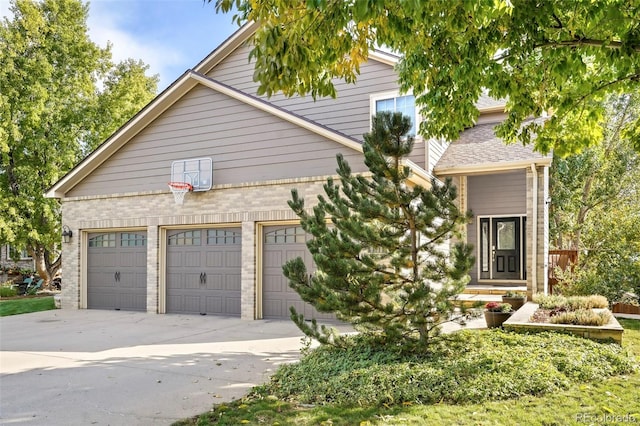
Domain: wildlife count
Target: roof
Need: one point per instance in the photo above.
(479, 149)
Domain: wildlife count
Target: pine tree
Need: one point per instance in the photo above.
(382, 246)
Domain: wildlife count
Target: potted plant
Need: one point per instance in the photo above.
(515, 299)
(495, 313)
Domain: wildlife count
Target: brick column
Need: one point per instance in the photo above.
(248, 273)
(152, 269)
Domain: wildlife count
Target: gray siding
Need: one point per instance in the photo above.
(246, 144)
(349, 113)
(496, 194)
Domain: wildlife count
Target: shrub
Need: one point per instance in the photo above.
(466, 367)
(550, 301)
(498, 307)
(582, 317)
(6, 291)
(587, 302)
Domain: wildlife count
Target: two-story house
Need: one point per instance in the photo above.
(221, 250)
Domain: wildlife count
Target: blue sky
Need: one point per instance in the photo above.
(168, 35)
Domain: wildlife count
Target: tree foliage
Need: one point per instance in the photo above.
(60, 95)
(595, 206)
(384, 262)
(541, 56)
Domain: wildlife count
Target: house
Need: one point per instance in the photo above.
(221, 250)
(12, 258)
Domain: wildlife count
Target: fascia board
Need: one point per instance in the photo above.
(491, 167)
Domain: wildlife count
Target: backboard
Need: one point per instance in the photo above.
(195, 171)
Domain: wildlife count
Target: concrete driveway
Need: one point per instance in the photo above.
(92, 367)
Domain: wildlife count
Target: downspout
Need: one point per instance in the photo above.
(534, 233)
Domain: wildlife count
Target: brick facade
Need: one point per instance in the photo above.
(246, 205)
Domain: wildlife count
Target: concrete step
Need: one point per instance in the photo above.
(493, 290)
(476, 300)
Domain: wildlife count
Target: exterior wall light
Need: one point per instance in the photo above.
(66, 234)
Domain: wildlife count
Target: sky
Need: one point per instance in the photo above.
(170, 36)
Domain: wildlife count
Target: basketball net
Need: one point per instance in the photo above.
(179, 189)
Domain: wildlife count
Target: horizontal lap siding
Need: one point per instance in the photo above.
(246, 144)
(498, 194)
(349, 113)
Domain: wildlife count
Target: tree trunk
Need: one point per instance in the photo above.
(45, 269)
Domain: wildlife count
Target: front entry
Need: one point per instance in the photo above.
(502, 248)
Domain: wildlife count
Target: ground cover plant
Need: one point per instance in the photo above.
(577, 381)
(26, 305)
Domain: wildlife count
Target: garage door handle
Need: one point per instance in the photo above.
(201, 277)
(204, 278)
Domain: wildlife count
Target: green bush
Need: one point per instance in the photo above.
(6, 291)
(469, 366)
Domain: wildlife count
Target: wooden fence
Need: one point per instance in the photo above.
(562, 259)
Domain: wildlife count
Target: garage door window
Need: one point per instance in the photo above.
(104, 240)
(132, 240)
(293, 234)
(220, 237)
(186, 238)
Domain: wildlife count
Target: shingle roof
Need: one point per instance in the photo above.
(480, 146)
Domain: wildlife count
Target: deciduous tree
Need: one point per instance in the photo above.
(60, 95)
(548, 56)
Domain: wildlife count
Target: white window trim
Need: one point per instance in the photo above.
(387, 95)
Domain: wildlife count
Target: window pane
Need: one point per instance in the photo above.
(404, 104)
(485, 245)
(506, 235)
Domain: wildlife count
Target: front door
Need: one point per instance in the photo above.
(502, 248)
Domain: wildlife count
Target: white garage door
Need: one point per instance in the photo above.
(117, 271)
(203, 271)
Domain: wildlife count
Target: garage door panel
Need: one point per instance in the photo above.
(102, 300)
(208, 265)
(192, 259)
(233, 259)
(215, 260)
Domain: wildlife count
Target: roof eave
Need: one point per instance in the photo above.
(491, 167)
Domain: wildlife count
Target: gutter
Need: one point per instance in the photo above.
(534, 232)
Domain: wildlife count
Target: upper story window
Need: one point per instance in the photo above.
(406, 104)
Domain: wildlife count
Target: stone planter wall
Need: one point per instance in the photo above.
(519, 322)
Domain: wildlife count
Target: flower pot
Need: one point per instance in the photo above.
(495, 319)
(515, 302)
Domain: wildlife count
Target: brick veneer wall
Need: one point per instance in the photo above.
(246, 204)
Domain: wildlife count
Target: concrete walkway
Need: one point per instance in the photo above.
(92, 367)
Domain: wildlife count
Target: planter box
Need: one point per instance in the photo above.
(626, 308)
(519, 322)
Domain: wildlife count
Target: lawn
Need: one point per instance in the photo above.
(580, 398)
(25, 305)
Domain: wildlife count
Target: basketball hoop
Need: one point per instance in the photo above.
(179, 189)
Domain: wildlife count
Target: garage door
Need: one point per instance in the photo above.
(280, 244)
(117, 271)
(203, 271)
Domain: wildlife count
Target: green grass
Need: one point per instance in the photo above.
(26, 305)
(581, 401)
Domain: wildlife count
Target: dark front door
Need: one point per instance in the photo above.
(501, 248)
(506, 248)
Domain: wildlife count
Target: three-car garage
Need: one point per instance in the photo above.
(202, 270)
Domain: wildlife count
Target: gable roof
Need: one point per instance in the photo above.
(171, 95)
(478, 149)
